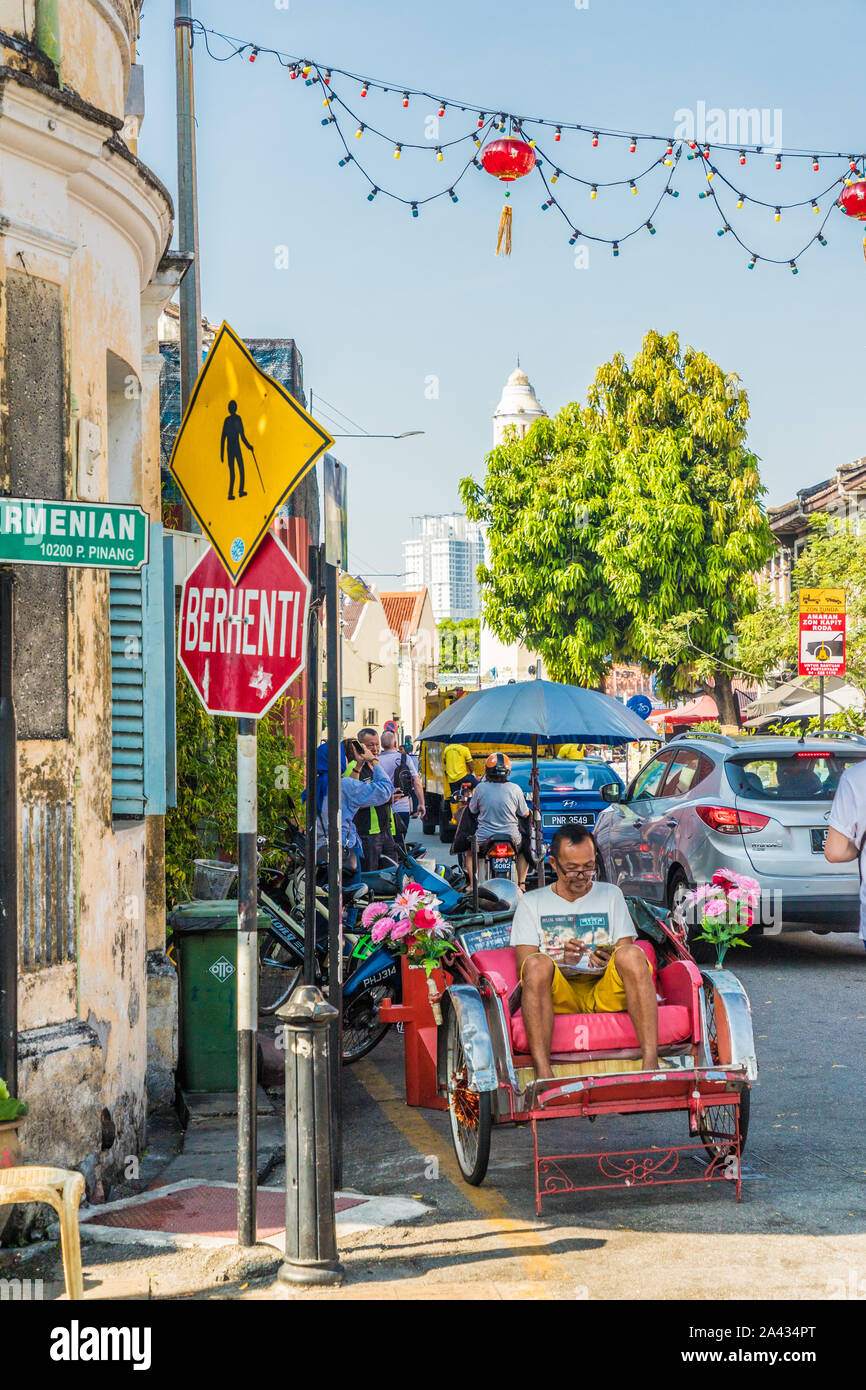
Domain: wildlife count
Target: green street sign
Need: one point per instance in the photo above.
(93, 535)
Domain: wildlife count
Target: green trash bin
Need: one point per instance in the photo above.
(205, 947)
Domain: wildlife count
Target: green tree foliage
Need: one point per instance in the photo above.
(835, 558)
(204, 822)
(629, 529)
(458, 644)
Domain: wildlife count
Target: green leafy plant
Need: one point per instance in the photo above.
(204, 822)
(629, 529)
(459, 644)
(10, 1108)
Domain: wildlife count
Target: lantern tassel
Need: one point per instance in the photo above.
(503, 241)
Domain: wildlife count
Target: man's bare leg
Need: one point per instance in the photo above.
(641, 1002)
(522, 869)
(537, 1007)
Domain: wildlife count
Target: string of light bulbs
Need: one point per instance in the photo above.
(488, 123)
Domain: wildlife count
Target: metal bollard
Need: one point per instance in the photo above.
(311, 1236)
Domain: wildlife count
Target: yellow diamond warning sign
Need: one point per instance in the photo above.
(243, 445)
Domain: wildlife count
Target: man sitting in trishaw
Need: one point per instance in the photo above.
(576, 952)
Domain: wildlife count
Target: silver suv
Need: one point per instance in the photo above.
(756, 805)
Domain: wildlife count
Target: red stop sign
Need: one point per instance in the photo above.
(242, 644)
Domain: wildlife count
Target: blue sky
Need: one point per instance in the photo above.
(380, 302)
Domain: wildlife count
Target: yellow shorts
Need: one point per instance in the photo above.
(603, 994)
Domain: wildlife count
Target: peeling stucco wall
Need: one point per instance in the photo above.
(82, 232)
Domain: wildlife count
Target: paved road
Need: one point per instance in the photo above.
(800, 1231)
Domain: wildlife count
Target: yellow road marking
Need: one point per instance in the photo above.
(488, 1201)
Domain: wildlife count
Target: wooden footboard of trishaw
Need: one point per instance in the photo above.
(693, 1090)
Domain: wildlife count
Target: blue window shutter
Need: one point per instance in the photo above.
(170, 671)
(127, 695)
(154, 677)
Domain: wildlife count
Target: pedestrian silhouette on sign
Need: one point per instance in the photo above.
(233, 435)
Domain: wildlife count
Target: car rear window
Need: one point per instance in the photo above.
(574, 776)
(799, 776)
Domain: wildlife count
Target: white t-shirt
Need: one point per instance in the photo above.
(848, 816)
(600, 918)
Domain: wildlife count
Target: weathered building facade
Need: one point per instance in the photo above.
(84, 276)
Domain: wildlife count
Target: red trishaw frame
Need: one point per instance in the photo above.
(693, 1082)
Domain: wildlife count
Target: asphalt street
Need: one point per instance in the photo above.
(799, 1232)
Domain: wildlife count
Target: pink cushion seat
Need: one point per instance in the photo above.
(602, 1032)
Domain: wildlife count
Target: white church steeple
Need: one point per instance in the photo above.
(518, 406)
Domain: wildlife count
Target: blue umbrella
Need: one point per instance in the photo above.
(537, 712)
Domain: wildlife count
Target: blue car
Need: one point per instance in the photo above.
(570, 790)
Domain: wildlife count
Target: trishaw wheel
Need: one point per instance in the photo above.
(716, 1125)
(469, 1111)
(717, 1121)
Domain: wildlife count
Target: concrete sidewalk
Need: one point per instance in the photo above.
(171, 1232)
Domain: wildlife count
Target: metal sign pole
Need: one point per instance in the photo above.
(312, 711)
(248, 979)
(821, 702)
(538, 832)
(335, 866)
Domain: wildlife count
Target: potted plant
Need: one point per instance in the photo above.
(413, 927)
(724, 909)
(12, 1112)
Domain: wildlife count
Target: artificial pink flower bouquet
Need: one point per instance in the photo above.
(724, 909)
(413, 927)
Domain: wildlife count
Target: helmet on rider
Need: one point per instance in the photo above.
(497, 767)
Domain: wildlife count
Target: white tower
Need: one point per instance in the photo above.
(518, 406)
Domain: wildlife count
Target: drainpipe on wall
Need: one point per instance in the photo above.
(48, 31)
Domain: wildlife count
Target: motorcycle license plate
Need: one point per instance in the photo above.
(819, 839)
(552, 820)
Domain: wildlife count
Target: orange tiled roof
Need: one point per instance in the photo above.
(403, 609)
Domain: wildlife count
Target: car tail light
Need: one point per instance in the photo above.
(502, 852)
(730, 822)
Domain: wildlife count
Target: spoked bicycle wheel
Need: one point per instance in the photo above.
(468, 1111)
(716, 1125)
(362, 1028)
(279, 972)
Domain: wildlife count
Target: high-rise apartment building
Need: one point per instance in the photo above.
(443, 556)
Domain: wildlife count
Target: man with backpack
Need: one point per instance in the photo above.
(402, 768)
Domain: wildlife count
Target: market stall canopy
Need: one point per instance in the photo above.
(697, 711)
(845, 697)
(789, 693)
(541, 710)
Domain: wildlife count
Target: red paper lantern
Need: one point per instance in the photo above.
(507, 160)
(852, 200)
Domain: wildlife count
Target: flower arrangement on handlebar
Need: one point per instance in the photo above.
(412, 926)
